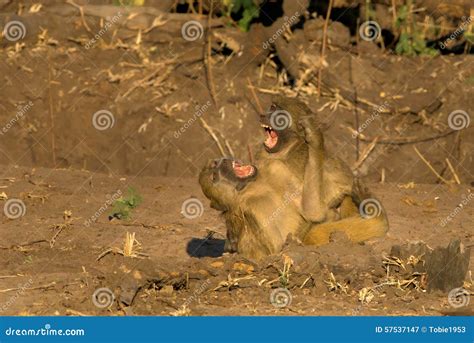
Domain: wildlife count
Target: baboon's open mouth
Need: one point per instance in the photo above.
(242, 170)
(271, 137)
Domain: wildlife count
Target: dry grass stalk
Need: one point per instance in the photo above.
(430, 166)
(232, 282)
(323, 45)
(254, 95)
(81, 11)
(451, 168)
(183, 311)
(59, 228)
(334, 285)
(365, 154)
(130, 247)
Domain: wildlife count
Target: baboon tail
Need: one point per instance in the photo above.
(357, 229)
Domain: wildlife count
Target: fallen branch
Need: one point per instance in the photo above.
(27, 289)
(401, 140)
(19, 246)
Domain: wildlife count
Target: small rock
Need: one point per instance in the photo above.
(243, 267)
(166, 290)
(217, 264)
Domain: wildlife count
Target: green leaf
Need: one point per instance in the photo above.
(122, 207)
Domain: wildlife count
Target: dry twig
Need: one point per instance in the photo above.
(430, 166)
(81, 11)
(323, 45)
(213, 136)
(451, 168)
(207, 60)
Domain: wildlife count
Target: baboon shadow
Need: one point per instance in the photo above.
(205, 247)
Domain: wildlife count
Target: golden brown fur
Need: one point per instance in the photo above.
(297, 188)
(301, 160)
(259, 217)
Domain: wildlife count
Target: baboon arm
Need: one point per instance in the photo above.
(357, 230)
(313, 204)
(314, 209)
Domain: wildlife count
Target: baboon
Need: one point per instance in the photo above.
(260, 216)
(294, 154)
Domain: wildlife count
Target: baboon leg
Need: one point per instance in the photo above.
(357, 230)
(348, 208)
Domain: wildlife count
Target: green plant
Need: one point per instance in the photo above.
(249, 11)
(123, 206)
(412, 40)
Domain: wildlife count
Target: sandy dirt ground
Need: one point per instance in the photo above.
(89, 110)
(49, 259)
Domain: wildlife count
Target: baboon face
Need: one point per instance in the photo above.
(280, 123)
(223, 178)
